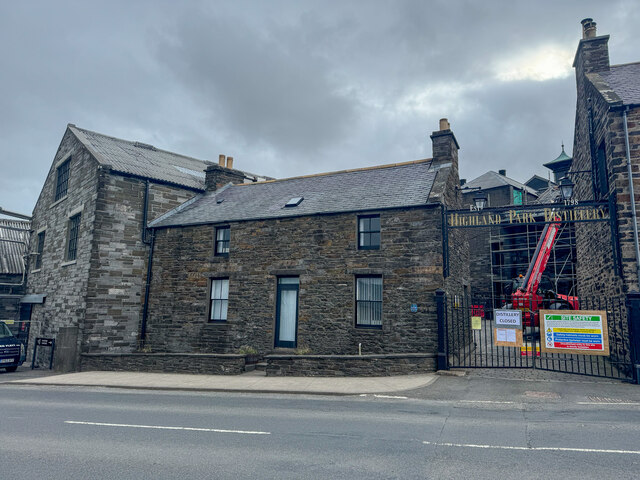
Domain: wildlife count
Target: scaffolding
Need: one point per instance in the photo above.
(513, 248)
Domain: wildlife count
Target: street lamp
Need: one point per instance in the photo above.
(566, 188)
(480, 201)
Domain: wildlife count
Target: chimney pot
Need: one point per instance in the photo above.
(463, 181)
(444, 124)
(229, 162)
(221, 160)
(588, 28)
(502, 172)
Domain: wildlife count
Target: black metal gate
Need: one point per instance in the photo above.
(466, 342)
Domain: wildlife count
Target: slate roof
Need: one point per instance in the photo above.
(550, 195)
(11, 253)
(144, 160)
(493, 179)
(619, 85)
(387, 186)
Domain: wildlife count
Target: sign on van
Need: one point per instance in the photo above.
(508, 318)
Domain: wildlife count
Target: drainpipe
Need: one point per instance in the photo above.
(632, 195)
(147, 290)
(150, 242)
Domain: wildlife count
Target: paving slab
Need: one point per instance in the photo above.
(237, 383)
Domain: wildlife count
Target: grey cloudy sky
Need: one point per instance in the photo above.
(297, 87)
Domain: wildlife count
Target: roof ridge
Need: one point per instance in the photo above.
(624, 64)
(339, 172)
(133, 143)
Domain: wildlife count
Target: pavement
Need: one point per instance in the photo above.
(471, 384)
(234, 383)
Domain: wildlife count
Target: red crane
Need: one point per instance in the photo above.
(526, 297)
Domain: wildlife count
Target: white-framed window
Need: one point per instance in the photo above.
(219, 299)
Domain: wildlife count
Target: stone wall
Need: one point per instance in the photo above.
(119, 258)
(598, 124)
(322, 251)
(206, 364)
(349, 365)
(64, 283)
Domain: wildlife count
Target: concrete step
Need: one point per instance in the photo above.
(262, 366)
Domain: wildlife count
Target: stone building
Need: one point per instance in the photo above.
(89, 246)
(331, 264)
(606, 150)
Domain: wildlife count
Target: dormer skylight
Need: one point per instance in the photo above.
(294, 202)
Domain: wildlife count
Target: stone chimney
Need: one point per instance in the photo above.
(445, 146)
(593, 51)
(217, 176)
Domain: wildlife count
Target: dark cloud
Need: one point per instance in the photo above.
(290, 87)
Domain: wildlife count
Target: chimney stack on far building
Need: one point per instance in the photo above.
(502, 172)
(217, 176)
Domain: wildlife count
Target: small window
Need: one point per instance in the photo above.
(72, 240)
(39, 250)
(294, 202)
(219, 300)
(222, 240)
(62, 179)
(369, 232)
(369, 301)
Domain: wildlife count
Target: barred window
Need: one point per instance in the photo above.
(62, 181)
(369, 301)
(369, 232)
(72, 240)
(39, 250)
(222, 240)
(219, 299)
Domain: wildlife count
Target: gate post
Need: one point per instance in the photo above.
(633, 314)
(443, 357)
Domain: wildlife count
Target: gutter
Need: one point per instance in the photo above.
(632, 195)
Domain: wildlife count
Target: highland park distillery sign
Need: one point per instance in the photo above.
(520, 216)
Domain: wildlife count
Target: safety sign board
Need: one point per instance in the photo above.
(574, 331)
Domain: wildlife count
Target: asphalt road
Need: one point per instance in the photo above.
(78, 433)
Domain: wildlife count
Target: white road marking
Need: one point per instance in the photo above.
(608, 403)
(160, 427)
(533, 449)
(484, 401)
(391, 396)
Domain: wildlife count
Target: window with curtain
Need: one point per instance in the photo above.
(368, 232)
(219, 299)
(369, 301)
(222, 240)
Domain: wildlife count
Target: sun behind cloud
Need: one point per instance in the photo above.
(546, 62)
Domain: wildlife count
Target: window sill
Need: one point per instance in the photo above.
(58, 201)
(368, 248)
(36, 270)
(66, 264)
(368, 328)
(217, 322)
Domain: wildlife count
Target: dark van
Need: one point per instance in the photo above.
(12, 353)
